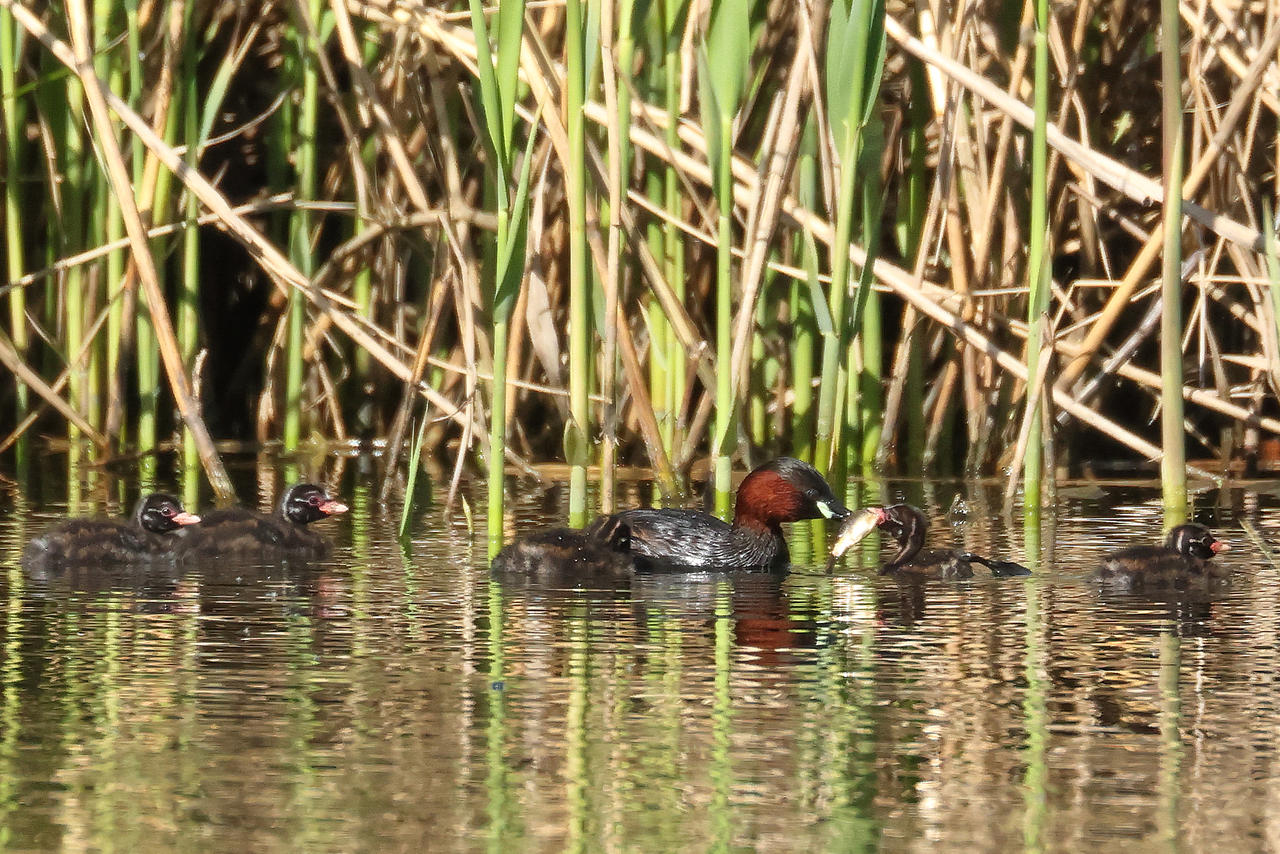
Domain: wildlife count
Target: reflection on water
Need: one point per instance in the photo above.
(398, 697)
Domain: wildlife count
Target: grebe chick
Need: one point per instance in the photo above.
(242, 533)
(149, 535)
(1183, 559)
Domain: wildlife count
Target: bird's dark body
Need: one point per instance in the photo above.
(1155, 567)
(107, 541)
(599, 550)
(907, 525)
(946, 564)
(157, 524)
(239, 532)
(701, 541)
(781, 490)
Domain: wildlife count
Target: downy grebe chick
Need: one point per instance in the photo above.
(782, 490)
(907, 525)
(600, 549)
(1184, 558)
(149, 535)
(238, 532)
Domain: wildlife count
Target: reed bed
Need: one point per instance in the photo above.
(918, 238)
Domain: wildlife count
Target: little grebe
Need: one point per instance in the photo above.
(600, 549)
(147, 536)
(783, 490)
(1183, 558)
(907, 525)
(238, 532)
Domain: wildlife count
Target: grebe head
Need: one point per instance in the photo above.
(1194, 541)
(160, 513)
(785, 490)
(307, 503)
(907, 525)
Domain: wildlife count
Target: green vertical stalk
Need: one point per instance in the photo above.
(673, 203)
(854, 63)
(300, 251)
(498, 89)
(1037, 260)
(803, 334)
(803, 312)
(870, 413)
(362, 284)
(189, 289)
(75, 199)
(911, 225)
(15, 264)
(148, 352)
(725, 438)
(657, 232)
(112, 69)
(577, 438)
(1173, 465)
(723, 73)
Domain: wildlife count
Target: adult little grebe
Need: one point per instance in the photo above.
(147, 536)
(907, 525)
(600, 549)
(237, 532)
(1183, 559)
(783, 490)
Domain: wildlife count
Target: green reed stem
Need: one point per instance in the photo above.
(1037, 258)
(870, 412)
(1272, 256)
(1173, 465)
(300, 248)
(725, 438)
(673, 18)
(189, 289)
(75, 197)
(804, 294)
(149, 368)
(112, 69)
(722, 78)
(855, 60)
(498, 89)
(577, 437)
(11, 115)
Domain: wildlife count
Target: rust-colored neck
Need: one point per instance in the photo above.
(765, 500)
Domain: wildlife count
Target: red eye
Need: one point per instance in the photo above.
(315, 500)
(168, 512)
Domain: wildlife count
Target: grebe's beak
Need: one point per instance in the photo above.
(1219, 546)
(832, 509)
(185, 518)
(332, 508)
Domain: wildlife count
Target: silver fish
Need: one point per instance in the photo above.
(854, 531)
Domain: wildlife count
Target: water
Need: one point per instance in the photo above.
(398, 698)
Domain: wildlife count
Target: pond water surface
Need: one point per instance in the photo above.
(395, 696)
